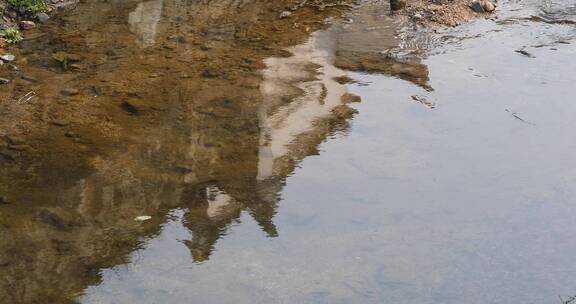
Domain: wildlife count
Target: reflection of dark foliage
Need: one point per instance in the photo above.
(411, 70)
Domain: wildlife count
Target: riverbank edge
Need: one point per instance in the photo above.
(423, 12)
(25, 16)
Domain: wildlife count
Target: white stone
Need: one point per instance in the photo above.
(142, 218)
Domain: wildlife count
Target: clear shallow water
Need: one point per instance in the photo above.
(464, 203)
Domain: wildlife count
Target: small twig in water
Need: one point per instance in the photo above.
(523, 52)
(423, 100)
(26, 98)
(519, 118)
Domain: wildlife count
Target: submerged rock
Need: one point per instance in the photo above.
(4, 81)
(477, 7)
(8, 57)
(27, 25)
(15, 139)
(134, 106)
(52, 219)
(19, 147)
(482, 6)
(285, 14)
(397, 4)
(4, 201)
(66, 57)
(210, 73)
(69, 92)
(60, 122)
(489, 6)
(8, 154)
(42, 17)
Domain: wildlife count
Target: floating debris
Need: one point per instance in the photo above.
(142, 218)
(423, 100)
(523, 52)
(515, 115)
(27, 97)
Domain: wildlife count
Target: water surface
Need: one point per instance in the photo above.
(264, 184)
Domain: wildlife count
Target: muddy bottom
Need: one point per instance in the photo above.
(227, 152)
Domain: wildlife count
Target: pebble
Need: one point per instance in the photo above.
(489, 6)
(142, 218)
(69, 92)
(19, 147)
(477, 7)
(183, 169)
(209, 73)
(15, 139)
(4, 81)
(285, 14)
(49, 218)
(27, 25)
(134, 106)
(8, 57)
(60, 122)
(482, 6)
(397, 4)
(42, 17)
(8, 155)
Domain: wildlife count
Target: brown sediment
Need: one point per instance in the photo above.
(440, 12)
(139, 108)
(135, 109)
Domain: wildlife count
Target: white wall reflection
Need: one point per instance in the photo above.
(144, 21)
(309, 75)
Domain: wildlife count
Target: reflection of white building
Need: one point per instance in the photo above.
(218, 201)
(298, 92)
(144, 21)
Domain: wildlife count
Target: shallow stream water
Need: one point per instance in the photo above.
(233, 130)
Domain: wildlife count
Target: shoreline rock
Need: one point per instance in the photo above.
(446, 13)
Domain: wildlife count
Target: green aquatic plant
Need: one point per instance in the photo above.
(30, 6)
(12, 35)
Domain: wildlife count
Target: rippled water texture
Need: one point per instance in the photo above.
(173, 151)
